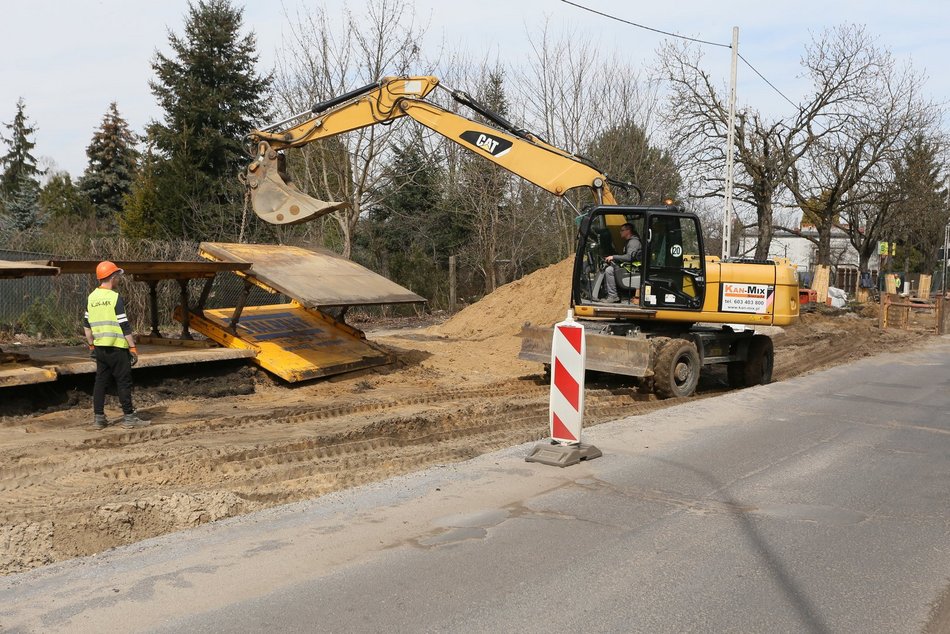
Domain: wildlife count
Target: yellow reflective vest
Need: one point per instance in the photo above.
(105, 326)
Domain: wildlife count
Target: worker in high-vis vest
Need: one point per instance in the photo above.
(109, 336)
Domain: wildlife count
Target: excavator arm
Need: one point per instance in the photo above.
(276, 200)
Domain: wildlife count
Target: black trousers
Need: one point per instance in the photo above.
(112, 363)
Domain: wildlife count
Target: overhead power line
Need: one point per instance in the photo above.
(643, 26)
(756, 71)
(683, 37)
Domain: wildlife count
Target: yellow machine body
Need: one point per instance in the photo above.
(291, 341)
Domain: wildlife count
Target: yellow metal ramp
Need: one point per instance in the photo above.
(299, 341)
(313, 278)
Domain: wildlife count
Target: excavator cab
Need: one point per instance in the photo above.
(670, 274)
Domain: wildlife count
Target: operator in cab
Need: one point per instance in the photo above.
(615, 263)
(109, 336)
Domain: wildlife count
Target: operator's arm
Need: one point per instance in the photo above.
(631, 252)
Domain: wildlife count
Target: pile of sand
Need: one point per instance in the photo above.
(541, 298)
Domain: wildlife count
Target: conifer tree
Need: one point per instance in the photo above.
(625, 152)
(18, 164)
(23, 205)
(211, 96)
(111, 168)
(139, 218)
(60, 197)
(919, 221)
(410, 235)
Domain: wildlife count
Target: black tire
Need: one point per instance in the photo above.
(757, 368)
(761, 360)
(645, 385)
(736, 372)
(676, 372)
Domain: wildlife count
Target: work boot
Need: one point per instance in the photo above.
(612, 299)
(131, 420)
(100, 422)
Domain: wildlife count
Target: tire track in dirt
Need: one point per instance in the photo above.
(283, 416)
(25, 476)
(206, 469)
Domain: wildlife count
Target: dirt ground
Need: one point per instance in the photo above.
(231, 440)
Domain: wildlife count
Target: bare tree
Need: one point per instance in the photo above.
(515, 227)
(879, 109)
(568, 103)
(766, 148)
(324, 60)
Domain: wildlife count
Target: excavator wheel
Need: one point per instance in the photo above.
(757, 368)
(761, 361)
(646, 385)
(677, 369)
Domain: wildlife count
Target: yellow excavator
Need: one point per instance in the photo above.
(666, 314)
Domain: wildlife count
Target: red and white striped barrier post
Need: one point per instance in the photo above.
(566, 409)
(568, 358)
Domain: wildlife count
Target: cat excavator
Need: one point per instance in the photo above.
(679, 310)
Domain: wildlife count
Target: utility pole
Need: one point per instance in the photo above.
(946, 257)
(730, 148)
(946, 241)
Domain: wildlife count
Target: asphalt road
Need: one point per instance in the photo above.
(820, 504)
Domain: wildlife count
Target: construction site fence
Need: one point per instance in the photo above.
(847, 279)
(54, 306)
(897, 312)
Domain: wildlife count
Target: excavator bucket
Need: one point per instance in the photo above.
(277, 200)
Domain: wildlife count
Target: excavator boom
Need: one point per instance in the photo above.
(277, 200)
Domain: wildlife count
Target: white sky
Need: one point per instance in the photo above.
(68, 59)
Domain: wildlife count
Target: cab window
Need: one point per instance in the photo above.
(675, 266)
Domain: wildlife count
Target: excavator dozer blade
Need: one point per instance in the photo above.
(629, 356)
(276, 200)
